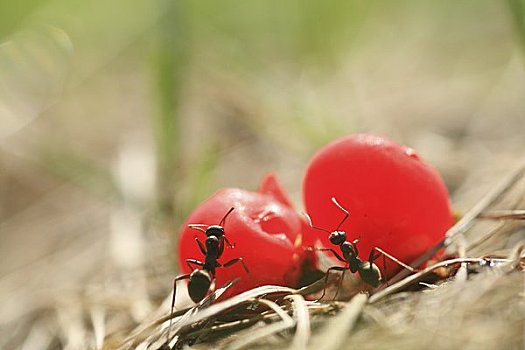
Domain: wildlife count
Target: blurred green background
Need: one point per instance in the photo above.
(117, 118)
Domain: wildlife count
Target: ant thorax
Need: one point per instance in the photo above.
(337, 237)
(348, 250)
(212, 247)
(215, 230)
(350, 255)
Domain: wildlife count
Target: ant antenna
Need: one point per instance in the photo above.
(223, 220)
(197, 227)
(344, 210)
(312, 226)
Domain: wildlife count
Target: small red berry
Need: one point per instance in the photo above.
(396, 200)
(266, 232)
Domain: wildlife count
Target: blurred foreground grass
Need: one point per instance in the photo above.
(117, 118)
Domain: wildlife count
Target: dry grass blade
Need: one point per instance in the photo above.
(245, 297)
(38, 337)
(98, 315)
(275, 307)
(157, 333)
(302, 317)
(206, 302)
(150, 332)
(263, 332)
(517, 257)
(337, 330)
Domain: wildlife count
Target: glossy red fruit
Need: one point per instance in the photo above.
(396, 200)
(264, 228)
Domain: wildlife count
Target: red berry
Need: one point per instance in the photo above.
(396, 200)
(264, 228)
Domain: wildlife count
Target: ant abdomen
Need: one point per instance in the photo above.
(370, 273)
(199, 284)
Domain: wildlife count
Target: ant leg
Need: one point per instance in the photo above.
(221, 245)
(384, 269)
(328, 250)
(178, 278)
(354, 244)
(333, 268)
(220, 248)
(194, 262)
(201, 246)
(343, 209)
(228, 242)
(236, 260)
(212, 285)
(399, 262)
(339, 286)
(374, 255)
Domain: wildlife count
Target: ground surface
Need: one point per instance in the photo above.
(115, 121)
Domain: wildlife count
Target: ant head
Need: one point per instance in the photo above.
(215, 230)
(337, 237)
(199, 284)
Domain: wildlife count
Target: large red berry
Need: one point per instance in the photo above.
(396, 200)
(264, 228)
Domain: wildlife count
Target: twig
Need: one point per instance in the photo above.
(504, 215)
(413, 278)
(490, 198)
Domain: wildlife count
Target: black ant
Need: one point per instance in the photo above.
(214, 230)
(202, 278)
(368, 271)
